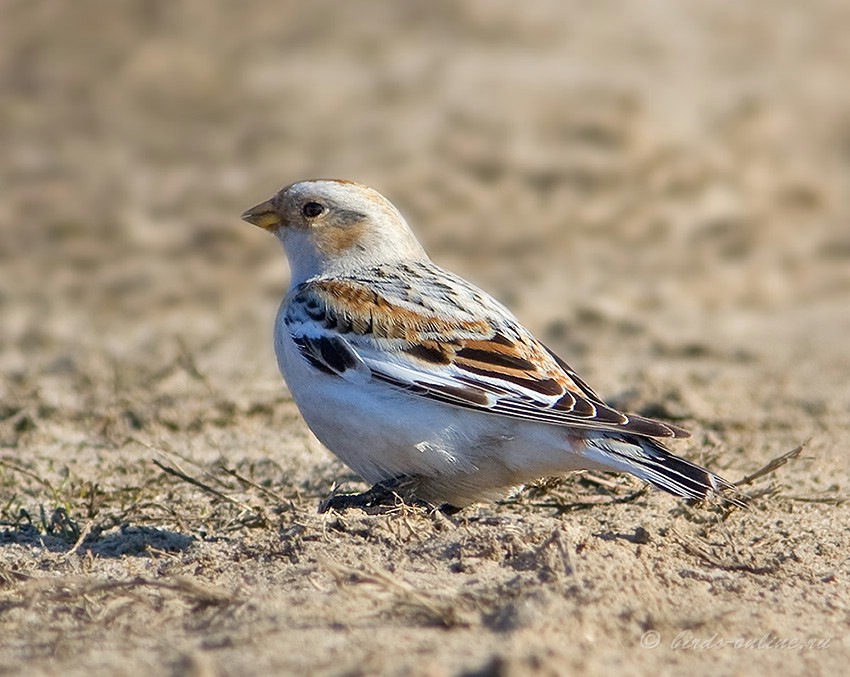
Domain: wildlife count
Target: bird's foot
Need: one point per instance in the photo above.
(383, 497)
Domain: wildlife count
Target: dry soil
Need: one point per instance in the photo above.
(659, 190)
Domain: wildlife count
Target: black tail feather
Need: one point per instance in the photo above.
(650, 461)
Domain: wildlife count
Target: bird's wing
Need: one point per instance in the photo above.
(487, 362)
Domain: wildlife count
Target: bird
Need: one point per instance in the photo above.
(423, 384)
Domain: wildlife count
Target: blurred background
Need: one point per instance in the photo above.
(660, 190)
(641, 182)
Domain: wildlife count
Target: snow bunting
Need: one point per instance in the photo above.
(424, 384)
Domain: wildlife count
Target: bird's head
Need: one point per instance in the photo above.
(335, 226)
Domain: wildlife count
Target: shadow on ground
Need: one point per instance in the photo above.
(124, 540)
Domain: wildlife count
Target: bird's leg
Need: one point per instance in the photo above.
(381, 498)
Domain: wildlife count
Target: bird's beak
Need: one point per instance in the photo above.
(263, 215)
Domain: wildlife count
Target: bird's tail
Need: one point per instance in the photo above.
(647, 459)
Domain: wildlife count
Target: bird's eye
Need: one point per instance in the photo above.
(312, 209)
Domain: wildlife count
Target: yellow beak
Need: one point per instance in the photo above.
(263, 215)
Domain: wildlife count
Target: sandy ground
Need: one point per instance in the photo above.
(659, 190)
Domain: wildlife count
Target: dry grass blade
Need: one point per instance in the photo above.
(84, 534)
(197, 483)
(442, 608)
(615, 486)
(258, 514)
(561, 493)
(202, 594)
(10, 576)
(186, 360)
(178, 472)
(771, 466)
(268, 493)
(174, 456)
(585, 502)
(5, 463)
(824, 500)
(35, 590)
(698, 549)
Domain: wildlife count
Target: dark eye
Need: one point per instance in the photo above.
(312, 209)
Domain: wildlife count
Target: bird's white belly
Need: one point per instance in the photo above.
(378, 431)
(382, 432)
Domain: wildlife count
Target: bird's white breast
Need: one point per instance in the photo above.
(382, 432)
